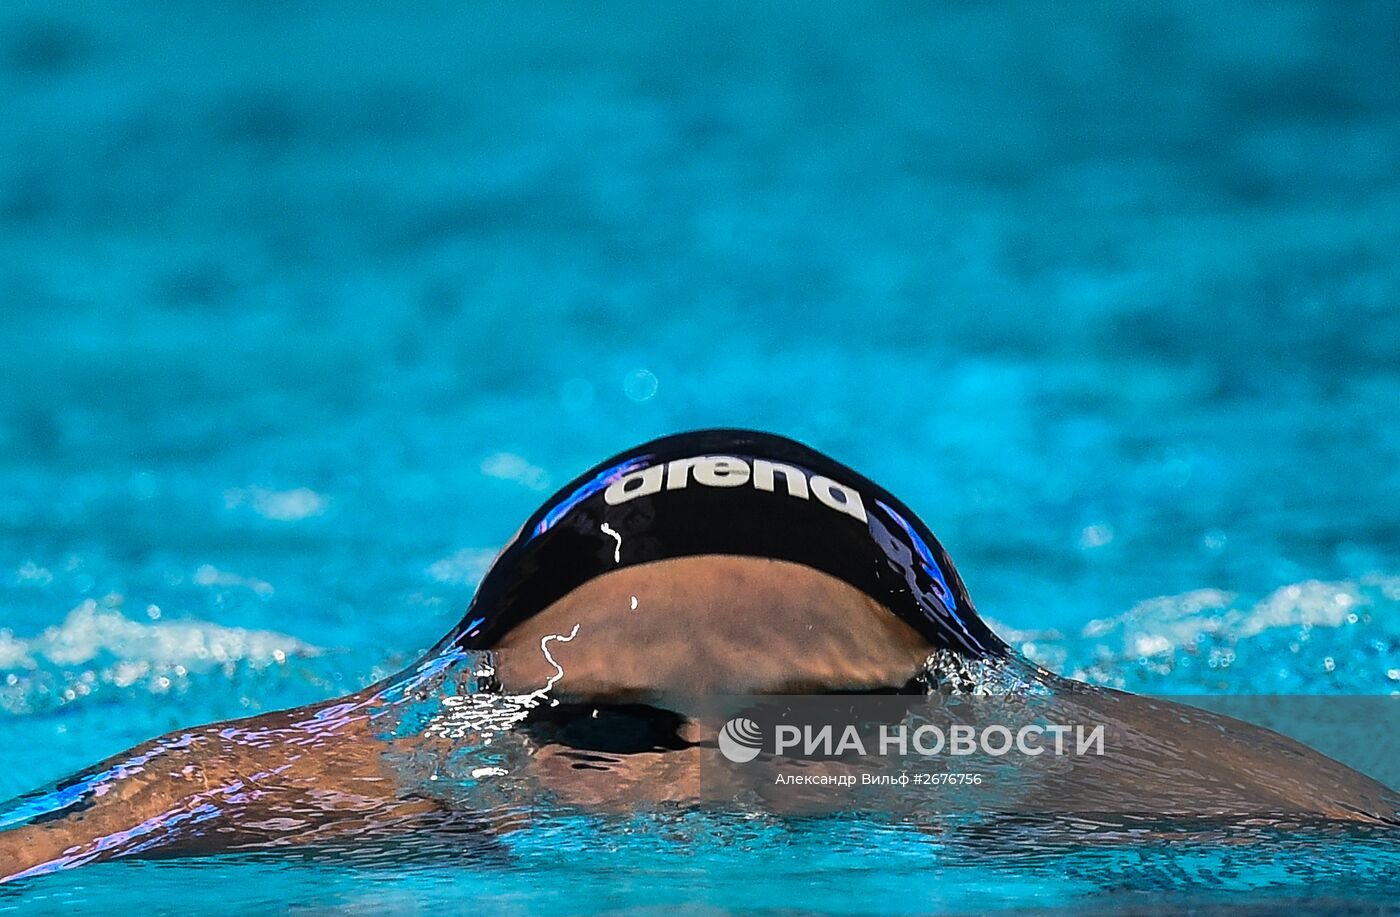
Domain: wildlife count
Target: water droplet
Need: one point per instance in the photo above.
(1096, 535)
(640, 385)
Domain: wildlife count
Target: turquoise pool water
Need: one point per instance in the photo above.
(305, 311)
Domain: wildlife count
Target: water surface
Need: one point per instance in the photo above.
(304, 311)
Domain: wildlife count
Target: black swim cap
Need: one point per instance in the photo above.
(731, 492)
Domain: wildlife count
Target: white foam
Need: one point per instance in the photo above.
(280, 505)
(1159, 624)
(1205, 629)
(462, 568)
(511, 467)
(1388, 585)
(32, 573)
(92, 632)
(1308, 604)
(1162, 625)
(209, 575)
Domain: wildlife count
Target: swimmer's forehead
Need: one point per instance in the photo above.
(705, 626)
(726, 492)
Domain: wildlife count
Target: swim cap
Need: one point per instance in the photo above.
(733, 492)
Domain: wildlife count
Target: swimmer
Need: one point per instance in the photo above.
(712, 563)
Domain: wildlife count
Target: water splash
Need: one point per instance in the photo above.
(97, 646)
(1305, 637)
(488, 714)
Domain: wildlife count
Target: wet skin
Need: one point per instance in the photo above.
(668, 634)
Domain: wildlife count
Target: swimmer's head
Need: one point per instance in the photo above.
(725, 556)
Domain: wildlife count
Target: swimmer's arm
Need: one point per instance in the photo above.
(173, 790)
(137, 800)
